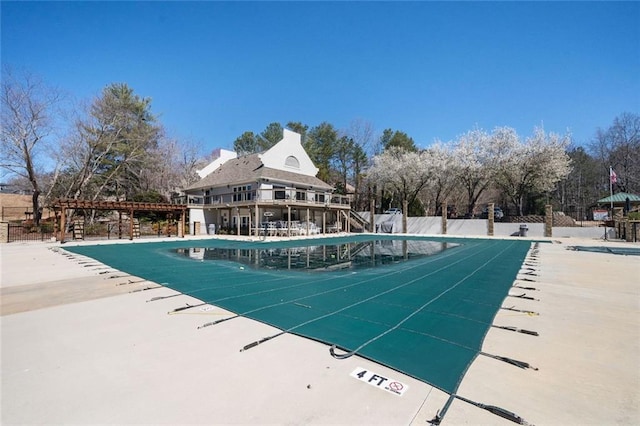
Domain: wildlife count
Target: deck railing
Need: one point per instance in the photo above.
(266, 196)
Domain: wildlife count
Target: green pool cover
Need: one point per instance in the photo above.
(426, 317)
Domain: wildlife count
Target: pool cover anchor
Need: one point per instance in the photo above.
(111, 277)
(525, 288)
(145, 289)
(129, 281)
(505, 414)
(261, 341)
(332, 351)
(524, 311)
(436, 420)
(208, 324)
(520, 364)
(516, 329)
(181, 308)
(165, 297)
(523, 296)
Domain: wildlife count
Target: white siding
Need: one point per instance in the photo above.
(289, 146)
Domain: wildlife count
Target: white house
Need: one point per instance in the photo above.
(276, 190)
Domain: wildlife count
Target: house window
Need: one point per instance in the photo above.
(279, 192)
(292, 161)
(242, 193)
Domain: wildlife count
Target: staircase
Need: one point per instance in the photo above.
(357, 222)
(78, 229)
(136, 228)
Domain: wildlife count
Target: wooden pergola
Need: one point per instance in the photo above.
(129, 207)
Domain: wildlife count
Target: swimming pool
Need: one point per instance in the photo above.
(416, 304)
(322, 257)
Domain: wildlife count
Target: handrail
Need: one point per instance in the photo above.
(278, 196)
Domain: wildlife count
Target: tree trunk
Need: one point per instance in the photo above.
(31, 173)
(36, 207)
(520, 202)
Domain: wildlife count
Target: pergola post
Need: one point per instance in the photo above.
(182, 223)
(63, 224)
(237, 221)
(257, 216)
(131, 224)
(324, 221)
(119, 224)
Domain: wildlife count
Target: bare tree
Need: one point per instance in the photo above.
(619, 147)
(172, 166)
(27, 126)
(582, 186)
(361, 133)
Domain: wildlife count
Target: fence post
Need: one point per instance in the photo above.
(490, 219)
(444, 217)
(405, 213)
(4, 232)
(372, 215)
(548, 221)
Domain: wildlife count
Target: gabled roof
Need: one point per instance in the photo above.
(620, 197)
(249, 168)
(221, 156)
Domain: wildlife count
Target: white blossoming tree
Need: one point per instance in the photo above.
(471, 159)
(530, 167)
(399, 171)
(441, 163)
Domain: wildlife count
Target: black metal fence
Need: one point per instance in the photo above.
(77, 230)
(20, 232)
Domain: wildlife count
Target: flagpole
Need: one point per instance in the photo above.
(610, 199)
(612, 178)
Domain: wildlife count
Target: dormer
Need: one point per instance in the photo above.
(289, 155)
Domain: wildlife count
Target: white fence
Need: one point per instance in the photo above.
(432, 225)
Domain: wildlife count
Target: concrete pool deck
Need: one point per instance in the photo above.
(81, 343)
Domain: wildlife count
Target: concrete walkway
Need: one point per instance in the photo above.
(82, 344)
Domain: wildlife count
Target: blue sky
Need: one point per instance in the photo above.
(431, 69)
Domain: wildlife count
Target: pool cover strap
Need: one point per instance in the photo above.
(505, 414)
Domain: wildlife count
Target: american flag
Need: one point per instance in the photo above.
(613, 178)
